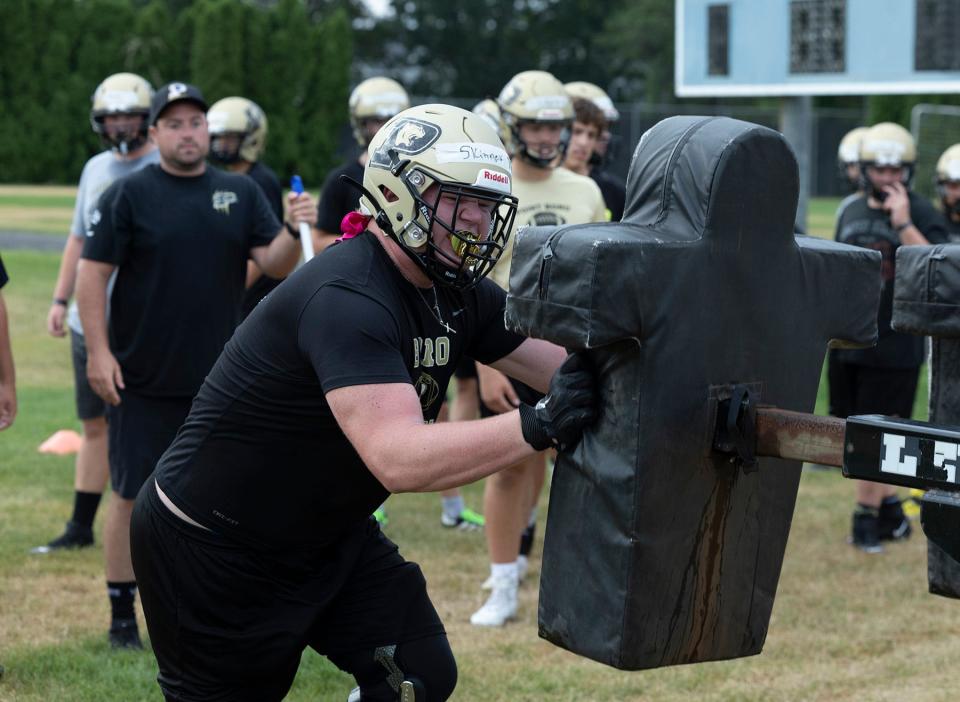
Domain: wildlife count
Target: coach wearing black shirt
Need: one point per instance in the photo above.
(179, 234)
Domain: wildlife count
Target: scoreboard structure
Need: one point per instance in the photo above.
(742, 48)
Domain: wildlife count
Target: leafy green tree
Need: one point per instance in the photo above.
(471, 48)
(638, 40)
(153, 50)
(216, 57)
(291, 56)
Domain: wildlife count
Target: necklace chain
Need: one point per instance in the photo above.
(435, 309)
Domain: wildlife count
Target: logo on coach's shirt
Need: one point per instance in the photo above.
(222, 199)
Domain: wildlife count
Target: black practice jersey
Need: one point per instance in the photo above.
(4, 278)
(338, 199)
(270, 185)
(861, 225)
(261, 457)
(181, 246)
(614, 193)
(953, 230)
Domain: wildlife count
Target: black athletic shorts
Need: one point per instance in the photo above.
(229, 623)
(140, 429)
(856, 389)
(89, 404)
(526, 394)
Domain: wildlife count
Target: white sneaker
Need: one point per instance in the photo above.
(523, 565)
(500, 607)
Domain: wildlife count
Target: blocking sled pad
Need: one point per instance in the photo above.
(657, 550)
(926, 301)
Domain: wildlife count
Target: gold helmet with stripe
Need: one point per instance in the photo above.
(238, 130)
(886, 145)
(121, 94)
(948, 171)
(460, 154)
(595, 94)
(376, 99)
(535, 97)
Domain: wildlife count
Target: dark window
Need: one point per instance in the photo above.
(938, 27)
(818, 36)
(718, 34)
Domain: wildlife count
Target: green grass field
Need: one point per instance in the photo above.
(845, 626)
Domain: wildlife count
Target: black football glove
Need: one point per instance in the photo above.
(558, 420)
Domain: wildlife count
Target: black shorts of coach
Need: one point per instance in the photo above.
(140, 429)
(228, 622)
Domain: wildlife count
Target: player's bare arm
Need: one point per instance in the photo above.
(385, 425)
(66, 281)
(103, 371)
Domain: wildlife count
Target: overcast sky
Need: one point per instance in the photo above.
(377, 7)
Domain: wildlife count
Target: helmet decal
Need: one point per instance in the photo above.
(407, 136)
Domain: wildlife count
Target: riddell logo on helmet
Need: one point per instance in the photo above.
(493, 180)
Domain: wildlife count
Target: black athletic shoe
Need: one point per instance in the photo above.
(75, 536)
(893, 524)
(865, 532)
(124, 634)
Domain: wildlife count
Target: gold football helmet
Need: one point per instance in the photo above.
(376, 98)
(460, 153)
(242, 118)
(121, 94)
(534, 96)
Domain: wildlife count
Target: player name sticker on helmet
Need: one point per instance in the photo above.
(471, 152)
(408, 137)
(385, 104)
(217, 120)
(116, 100)
(546, 102)
(917, 456)
(222, 199)
(493, 180)
(888, 152)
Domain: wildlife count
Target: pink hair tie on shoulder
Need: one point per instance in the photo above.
(353, 224)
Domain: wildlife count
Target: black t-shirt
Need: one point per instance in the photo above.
(614, 193)
(270, 185)
(4, 278)
(861, 225)
(953, 229)
(261, 457)
(338, 199)
(181, 246)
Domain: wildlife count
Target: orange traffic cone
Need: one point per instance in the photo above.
(62, 443)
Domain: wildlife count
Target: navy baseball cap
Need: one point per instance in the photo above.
(174, 92)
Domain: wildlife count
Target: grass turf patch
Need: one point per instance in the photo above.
(845, 626)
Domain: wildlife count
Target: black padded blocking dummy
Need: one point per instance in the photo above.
(926, 300)
(657, 550)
